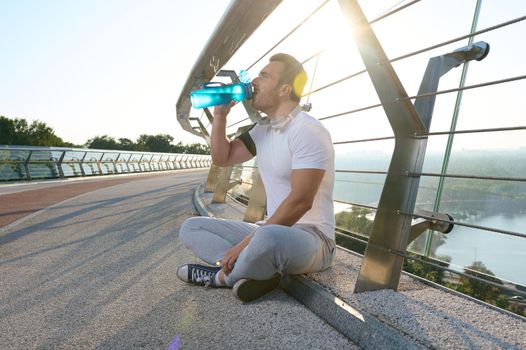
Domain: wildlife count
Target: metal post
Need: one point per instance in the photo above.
(81, 164)
(222, 185)
(127, 161)
(150, 162)
(99, 161)
(26, 165)
(59, 165)
(211, 180)
(381, 269)
(257, 204)
(140, 162)
(115, 161)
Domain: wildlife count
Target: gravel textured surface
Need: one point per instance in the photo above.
(429, 315)
(432, 317)
(98, 271)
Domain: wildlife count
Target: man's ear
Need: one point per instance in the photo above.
(285, 90)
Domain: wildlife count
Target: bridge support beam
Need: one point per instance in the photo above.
(383, 259)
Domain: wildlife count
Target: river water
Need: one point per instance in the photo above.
(504, 255)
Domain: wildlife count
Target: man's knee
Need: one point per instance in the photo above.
(269, 239)
(187, 229)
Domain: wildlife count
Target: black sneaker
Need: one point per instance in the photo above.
(198, 274)
(248, 290)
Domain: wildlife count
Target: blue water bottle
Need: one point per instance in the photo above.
(214, 94)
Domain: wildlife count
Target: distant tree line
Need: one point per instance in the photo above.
(20, 132)
(146, 143)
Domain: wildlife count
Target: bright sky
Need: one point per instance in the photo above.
(94, 67)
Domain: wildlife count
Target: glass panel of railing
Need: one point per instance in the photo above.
(121, 163)
(169, 161)
(177, 161)
(145, 164)
(73, 156)
(44, 164)
(133, 162)
(242, 179)
(90, 167)
(484, 200)
(71, 163)
(93, 155)
(12, 164)
(107, 163)
(354, 220)
(359, 179)
(502, 255)
(154, 162)
(90, 164)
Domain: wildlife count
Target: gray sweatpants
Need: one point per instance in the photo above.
(273, 248)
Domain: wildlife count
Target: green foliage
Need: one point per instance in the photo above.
(429, 272)
(146, 143)
(502, 302)
(197, 148)
(103, 142)
(20, 132)
(479, 289)
(155, 143)
(355, 220)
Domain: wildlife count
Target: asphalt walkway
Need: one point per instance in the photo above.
(96, 269)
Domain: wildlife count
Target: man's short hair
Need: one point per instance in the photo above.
(293, 74)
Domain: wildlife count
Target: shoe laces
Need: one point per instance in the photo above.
(203, 277)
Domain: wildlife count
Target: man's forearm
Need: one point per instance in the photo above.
(220, 145)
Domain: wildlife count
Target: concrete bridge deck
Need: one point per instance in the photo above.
(91, 264)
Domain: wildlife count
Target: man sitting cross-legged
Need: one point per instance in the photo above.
(296, 162)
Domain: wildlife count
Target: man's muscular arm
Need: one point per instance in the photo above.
(225, 152)
(304, 186)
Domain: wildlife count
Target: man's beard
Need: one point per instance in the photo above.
(269, 102)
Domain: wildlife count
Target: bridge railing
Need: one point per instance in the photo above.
(397, 172)
(29, 163)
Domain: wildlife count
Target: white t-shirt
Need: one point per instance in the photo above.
(298, 142)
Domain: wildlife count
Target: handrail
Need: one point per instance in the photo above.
(426, 177)
(19, 162)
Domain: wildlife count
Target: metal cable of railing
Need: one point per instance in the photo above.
(360, 182)
(364, 140)
(358, 237)
(472, 131)
(388, 13)
(351, 111)
(289, 33)
(471, 177)
(474, 86)
(463, 274)
(414, 53)
(238, 122)
(459, 223)
(494, 82)
(376, 172)
(392, 12)
(357, 204)
(437, 133)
